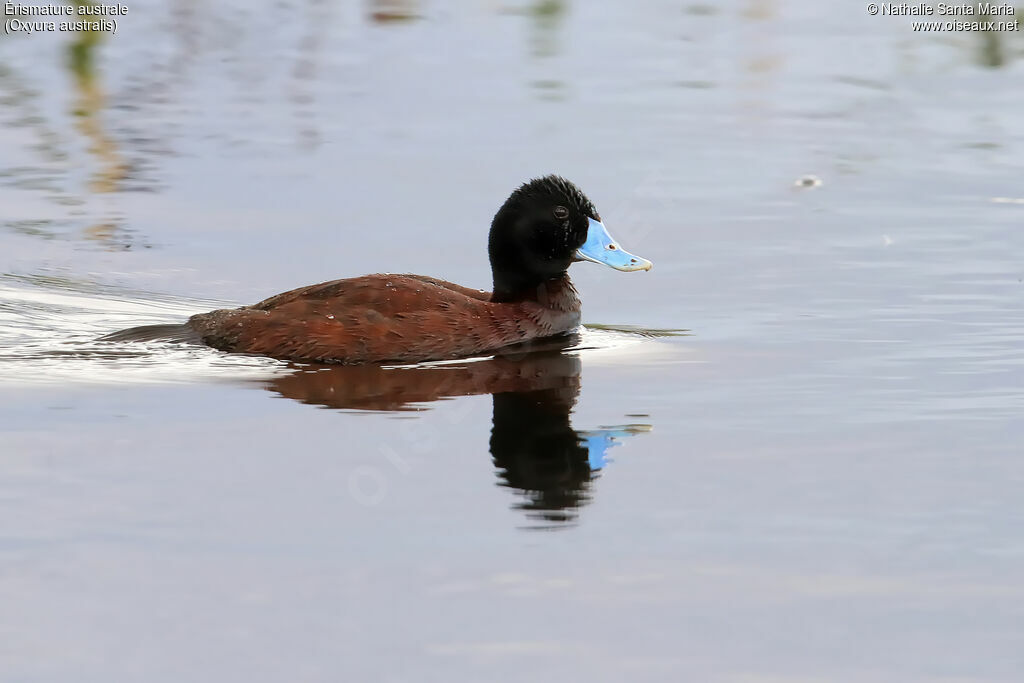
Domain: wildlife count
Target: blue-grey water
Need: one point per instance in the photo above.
(791, 452)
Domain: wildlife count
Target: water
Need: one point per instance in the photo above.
(790, 452)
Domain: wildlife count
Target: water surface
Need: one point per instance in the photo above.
(813, 475)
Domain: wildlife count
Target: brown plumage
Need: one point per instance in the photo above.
(377, 318)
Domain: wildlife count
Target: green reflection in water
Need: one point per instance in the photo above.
(993, 51)
(546, 18)
(90, 102)
(546, 23)
(391, 11)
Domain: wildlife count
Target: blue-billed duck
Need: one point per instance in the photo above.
(542, 228)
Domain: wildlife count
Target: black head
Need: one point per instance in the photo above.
(535, 234)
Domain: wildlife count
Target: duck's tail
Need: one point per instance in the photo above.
(170, 333)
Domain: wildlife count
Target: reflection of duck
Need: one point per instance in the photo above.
(536, 235)
(533, 445)
(536, 450)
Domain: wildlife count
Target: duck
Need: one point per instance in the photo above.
(543, 227)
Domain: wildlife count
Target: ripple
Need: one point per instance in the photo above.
(50, 325)
(49, 328)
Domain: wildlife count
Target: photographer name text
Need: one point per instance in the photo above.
(942, 9)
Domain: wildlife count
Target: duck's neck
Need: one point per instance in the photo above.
(510, 286)
(557, 294)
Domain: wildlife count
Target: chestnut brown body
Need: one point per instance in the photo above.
(381, 318)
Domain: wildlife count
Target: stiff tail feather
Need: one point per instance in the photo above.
(170, 333)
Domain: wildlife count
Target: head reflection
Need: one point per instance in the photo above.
(535, 450)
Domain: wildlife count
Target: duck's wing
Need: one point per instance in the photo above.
(368, 289)
(467, 291)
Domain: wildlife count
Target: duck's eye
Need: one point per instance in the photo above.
(561, 213)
